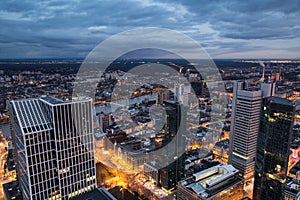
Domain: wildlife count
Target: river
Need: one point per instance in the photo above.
(106, 109)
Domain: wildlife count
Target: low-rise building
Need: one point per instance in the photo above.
(152, 171)
(292, 189)
(195, 156)
(12, 191)
(218, 182)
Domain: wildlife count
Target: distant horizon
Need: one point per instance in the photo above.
(149, 58)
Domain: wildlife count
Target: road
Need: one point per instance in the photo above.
(3, 177)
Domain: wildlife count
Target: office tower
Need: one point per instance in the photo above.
(268, 89)
(55, 147)
(172, 174)
(173, 120)
(200, 88)
(174, 126)
(273, 147)
(163, 94)
(218, 182)
(244, 128)
(178, 92)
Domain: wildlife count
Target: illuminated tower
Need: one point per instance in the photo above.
(55, 147)
(273, 147)
(246, 107)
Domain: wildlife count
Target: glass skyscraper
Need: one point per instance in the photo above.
(274, 138)
(174, 126)
(54, 147)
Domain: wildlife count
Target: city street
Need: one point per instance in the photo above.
(3, 157)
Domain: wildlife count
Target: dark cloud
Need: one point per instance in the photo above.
(72, 28)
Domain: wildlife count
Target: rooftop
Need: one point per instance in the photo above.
(96, 194)
(52, 100)
(216, 177)
(55, 101)
(295, 169)
(223, 143)
(154, 164)
(12, 191)
(292, 186)
(198, 153)
(283, 101)
(31, 115)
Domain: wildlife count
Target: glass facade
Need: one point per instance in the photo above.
(55, 147)
(175, 126)
(275, 134)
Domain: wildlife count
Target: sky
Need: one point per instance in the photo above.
(225, 29)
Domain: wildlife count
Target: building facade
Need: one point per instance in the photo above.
(105, 120)
(152, 171)
(244, 128)
(273, 147)
(173, 131)
(55, 147)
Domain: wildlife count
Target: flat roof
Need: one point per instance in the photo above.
(52, 100)
(154, 163)
(283, 101)
(200, 182)
(292, 186)
(55, 101)
(95, 194)
(12, 190)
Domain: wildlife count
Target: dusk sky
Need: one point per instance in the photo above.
(226, 29)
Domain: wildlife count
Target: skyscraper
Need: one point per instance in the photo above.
(174, 126)
(244, 128)
(55, 147)
(274, 138)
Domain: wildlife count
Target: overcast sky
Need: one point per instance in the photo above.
(226, 29)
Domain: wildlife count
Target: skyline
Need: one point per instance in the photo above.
(135, 145)
(71, 29)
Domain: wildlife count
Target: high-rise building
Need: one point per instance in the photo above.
(163, 94)
(174, 126)
(173, 120)
(273, 147)
(55, 147)
(244, 128)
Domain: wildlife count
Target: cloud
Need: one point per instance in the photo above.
(97, 28)
(46, 28)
